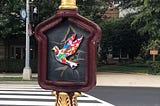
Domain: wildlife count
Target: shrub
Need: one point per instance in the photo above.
(16, 65)
(154, 67)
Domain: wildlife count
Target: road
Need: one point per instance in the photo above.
(33, 95)
(128, 96)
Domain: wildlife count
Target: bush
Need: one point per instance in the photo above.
(154, 67)
(16, 65)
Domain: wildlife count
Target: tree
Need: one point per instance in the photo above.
(118, 34)
(92, 9)
(146, 21)
(10, 25)
(147, 17)
(45, 9)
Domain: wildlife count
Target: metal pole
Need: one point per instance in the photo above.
(27, 69)
(27, 36)
(154, 56)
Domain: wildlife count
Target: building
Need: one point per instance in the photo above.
(12, 56)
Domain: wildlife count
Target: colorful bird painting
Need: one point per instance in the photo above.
(69, 48)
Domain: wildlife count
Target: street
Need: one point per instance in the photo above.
(128, 96)
(33, 95)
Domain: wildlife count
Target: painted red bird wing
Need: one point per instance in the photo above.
(70, 40)
(73, 47)
(68, 44)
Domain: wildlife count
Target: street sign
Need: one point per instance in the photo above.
(29, 29)
(67, 44)
(67, 47)
(154, 52)
(23, 13)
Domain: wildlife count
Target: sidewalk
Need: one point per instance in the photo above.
(107, 79)
(129, 80)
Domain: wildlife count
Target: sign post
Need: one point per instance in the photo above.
(67, 47)
(154, 53)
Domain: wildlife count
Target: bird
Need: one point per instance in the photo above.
(70, 47)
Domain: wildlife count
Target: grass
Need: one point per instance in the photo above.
(134, 67)
(124, 68)
(15, 79)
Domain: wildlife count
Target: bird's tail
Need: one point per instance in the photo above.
(73, 65)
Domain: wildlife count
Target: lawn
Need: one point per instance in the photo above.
(125, 68)
(15, 79)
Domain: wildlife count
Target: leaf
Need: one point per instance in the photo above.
(61, 68)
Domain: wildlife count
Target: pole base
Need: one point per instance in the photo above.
(27, 73)
(66, 99)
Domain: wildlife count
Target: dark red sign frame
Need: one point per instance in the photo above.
(91, 50)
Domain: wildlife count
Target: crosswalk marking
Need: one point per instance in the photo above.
(35, 96)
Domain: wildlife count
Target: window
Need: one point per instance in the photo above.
(18, 52)
(120, 54)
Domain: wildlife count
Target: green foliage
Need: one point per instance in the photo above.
(146, 21)
(46, 8)
(10, 78)
(118, 34)
(10, 25)
(123, 68)
(154, 67)
(149, 67)
(147, 17)
(153, 44)
(16, 79)
(16, 65)
(92, 9)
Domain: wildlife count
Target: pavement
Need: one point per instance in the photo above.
(107, 79)
(128, 79)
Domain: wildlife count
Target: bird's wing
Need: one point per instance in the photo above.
(68, 44)
(70, 40)
(73, 47)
